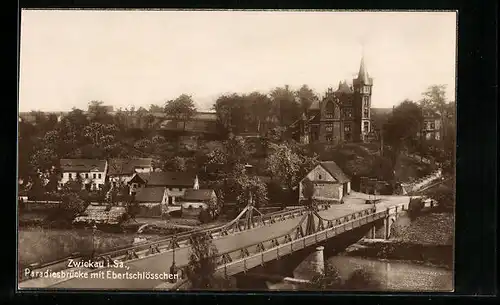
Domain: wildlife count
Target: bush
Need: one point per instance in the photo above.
(330, 280)
(204, 216)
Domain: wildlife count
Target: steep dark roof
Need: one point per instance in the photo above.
(168, 179)
(335, 171)
(198, 195)
(344, 87)
(150, 194)
(127, 166)
(82, 165)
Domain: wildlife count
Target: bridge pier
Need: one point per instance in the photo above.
(318, 261)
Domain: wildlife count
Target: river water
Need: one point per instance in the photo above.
(392, 275)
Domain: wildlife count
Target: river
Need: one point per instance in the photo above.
(391, 275)
(398, 275)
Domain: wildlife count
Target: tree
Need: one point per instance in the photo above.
(101, 136)
(71, 204)
(284, 164)
(181, 109)
(249, 187)
(284, 100)
(99, 113)
(156, 109)
(175, 164)
(203, 261)
(43, 159)
(434, 98)
(403, 126)
(261, 111)
(308, 191)
(306, 97)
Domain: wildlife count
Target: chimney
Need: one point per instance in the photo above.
(196, 185)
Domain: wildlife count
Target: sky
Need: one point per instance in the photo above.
(123, 58)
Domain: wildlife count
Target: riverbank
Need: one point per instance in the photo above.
(424, 240)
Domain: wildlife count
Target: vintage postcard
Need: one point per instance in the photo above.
(236, 150)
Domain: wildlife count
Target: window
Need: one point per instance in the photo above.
(93, 176)
(366, 102)
(366, 127)
(86, 175)
(329, 126)
(320, 177)
(437, 136)
(348, 113)
(347, 127)
(329, 138)
(100, 176)
(329, 110)
(433, 125)
(366, 89)
(180, 189)
(366, 113)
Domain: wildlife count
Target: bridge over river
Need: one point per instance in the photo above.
(241, 248)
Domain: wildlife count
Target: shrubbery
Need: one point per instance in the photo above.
(204, 216)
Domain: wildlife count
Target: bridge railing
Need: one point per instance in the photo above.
(168, 243)
(244, 258)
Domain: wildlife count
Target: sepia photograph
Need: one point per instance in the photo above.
(226, 150)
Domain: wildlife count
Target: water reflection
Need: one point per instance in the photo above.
(392, 276)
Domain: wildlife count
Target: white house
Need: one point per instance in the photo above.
(91, 172)
(330, 182)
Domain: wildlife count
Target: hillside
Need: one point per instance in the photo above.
(363, 159)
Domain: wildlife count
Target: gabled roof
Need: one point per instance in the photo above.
(150, 194)
(334, 170)
(127, 166)
(82, 165)
(198, 195)
(168, 179)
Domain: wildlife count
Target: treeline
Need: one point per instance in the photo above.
(260, 113)
(404, 126)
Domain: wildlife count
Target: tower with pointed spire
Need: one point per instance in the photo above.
(362, 100)
(340, 116)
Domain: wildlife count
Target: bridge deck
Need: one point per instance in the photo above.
(161, 262)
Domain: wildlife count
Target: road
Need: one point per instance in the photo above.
(161, 262)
